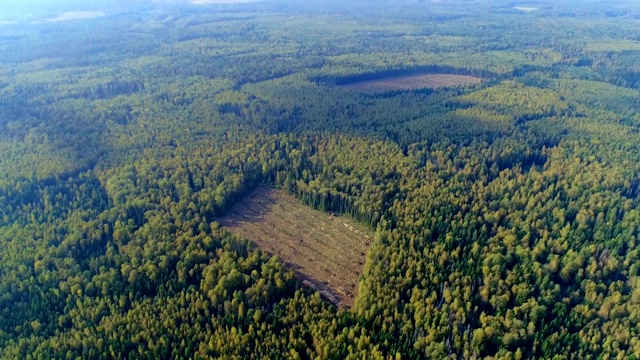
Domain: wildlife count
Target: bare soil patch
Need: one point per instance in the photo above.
(412, 82)
(326, 252)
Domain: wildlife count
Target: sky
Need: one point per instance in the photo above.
(7, 5)
(38, 10)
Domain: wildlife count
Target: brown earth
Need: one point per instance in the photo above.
(329, 251)
(412, 82)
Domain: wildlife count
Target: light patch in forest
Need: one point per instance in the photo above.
(614, 46)
(77, 15)
(329, 251)
(526, 8)
(411, 82)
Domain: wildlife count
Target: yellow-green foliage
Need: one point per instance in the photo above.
(506, 212)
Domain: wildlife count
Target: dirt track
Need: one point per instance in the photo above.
(328, 251)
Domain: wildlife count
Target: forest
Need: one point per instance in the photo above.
(506, 210)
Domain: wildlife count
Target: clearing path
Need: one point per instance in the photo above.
(326, 252)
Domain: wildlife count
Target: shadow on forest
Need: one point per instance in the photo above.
(253, 208)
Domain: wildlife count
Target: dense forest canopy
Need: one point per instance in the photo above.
(506, 212)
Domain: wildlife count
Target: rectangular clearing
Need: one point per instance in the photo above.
(411, 82)
(325, 251)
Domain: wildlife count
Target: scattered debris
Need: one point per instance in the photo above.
(309, 285)
(329, 297)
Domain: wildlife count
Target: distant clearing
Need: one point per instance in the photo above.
(411, 82)
(329, 251)
(203, 2)
(77, 15)
(526, 8)
(614, 46)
